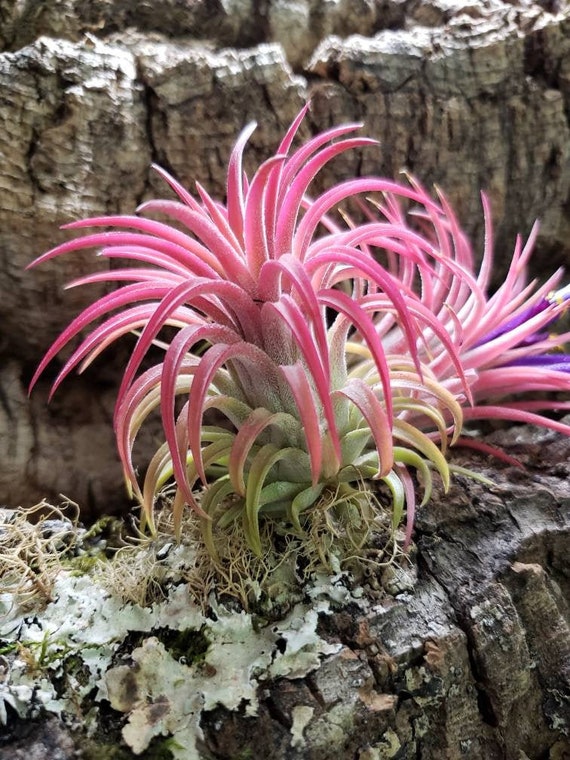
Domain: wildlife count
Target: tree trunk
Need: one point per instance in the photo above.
(462, 650)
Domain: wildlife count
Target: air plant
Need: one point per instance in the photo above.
(311, 353)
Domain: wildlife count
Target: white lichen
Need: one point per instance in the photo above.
(78, 634)
(301, 715)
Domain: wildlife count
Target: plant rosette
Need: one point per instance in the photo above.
(321, 355)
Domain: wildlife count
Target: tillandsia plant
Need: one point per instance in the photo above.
(311, 353)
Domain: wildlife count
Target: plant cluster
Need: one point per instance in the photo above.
(311, 349)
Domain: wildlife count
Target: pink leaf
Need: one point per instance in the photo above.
(291, 201)
(362, 321)
(255, 229)
(365, 399)
(175, 356)
(296, 377)
(236, 199)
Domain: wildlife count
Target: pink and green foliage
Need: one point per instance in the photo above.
(330, 351)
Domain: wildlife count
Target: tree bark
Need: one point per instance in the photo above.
(460, 651)
(468, 656)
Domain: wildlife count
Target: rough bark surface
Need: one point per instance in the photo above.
(467, 95)
(462, 653)
(468, 659)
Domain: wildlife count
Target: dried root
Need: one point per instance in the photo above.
(33, 545)
(348, 529)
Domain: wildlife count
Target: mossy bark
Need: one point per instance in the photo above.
(461, 651)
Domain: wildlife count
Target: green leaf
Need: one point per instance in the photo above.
(262, 463)
(353, 443)
(394, 483)
(412, 458)
(303, 501)
(212, 499)
(409, 434)
(279, 490)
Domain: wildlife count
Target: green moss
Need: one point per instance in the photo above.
(85, 563)
(245, 754)
(187, 646)
(98, 545)
(94, 750)
(91, 749)
(39, 651)
(76, 668)
(108, 527)
(7, 647)
(159, 749)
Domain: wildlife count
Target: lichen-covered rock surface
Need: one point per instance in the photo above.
(469, 95)
(461, 650)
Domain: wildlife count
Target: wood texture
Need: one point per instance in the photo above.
(462, 653)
